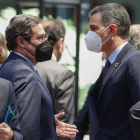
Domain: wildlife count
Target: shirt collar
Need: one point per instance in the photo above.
(26, 59)
(54, 57)
(115, 53)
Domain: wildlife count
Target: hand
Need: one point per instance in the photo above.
(64, 129)
(5, 132)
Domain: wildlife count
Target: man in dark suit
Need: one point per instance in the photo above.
(82, 120)
(58, 79)
(8, 100)
(118, 85)
(26, 39)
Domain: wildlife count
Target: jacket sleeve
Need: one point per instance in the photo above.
(15, 125)
(133, 81)
(133, 77)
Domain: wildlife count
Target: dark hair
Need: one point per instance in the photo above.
(55, 30)
(20, 25)
(113, 13)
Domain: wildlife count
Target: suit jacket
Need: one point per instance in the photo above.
(112, 97)
(134, 114)
(60, 82)
(34, 101)
(7, 97)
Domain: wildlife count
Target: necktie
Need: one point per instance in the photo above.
(106, 68)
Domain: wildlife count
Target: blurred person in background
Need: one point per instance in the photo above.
(134, 36)
(26, 39)
(58, 79)
(118, 87)
(82, 120)
(3, 49)
(9, 117)
(134, 113)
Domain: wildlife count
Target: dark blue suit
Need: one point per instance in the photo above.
(112, 97)
(34, 101)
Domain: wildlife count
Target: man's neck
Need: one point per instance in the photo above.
(115, 44)
(54, 57)
(26, 54)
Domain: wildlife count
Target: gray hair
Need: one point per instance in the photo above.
(20, 25)
(113, 13)
(134, 36)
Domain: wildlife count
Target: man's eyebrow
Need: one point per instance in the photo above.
(93, 26)
(40, 35)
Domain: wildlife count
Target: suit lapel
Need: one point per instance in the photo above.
(41, 81)
(14, 56)
(94, 92)
(113, 68)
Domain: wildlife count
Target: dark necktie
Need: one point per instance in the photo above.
(106, 68)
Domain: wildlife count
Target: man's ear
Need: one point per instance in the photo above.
(20, 41)
(113, 28)
(61, 41)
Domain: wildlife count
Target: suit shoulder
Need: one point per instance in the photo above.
(14, 68)
(14, 65)
(133, 52)
(53, 67)
(133, 59)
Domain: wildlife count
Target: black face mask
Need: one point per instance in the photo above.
(43, 51)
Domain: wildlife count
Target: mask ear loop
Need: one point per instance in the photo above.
(102, 33)
(105, 41)
(104, 30)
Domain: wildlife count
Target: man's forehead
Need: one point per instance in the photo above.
(38, 29)
(95, 19)
(36, 25)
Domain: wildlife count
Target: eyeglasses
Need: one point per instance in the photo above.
(43, 38)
